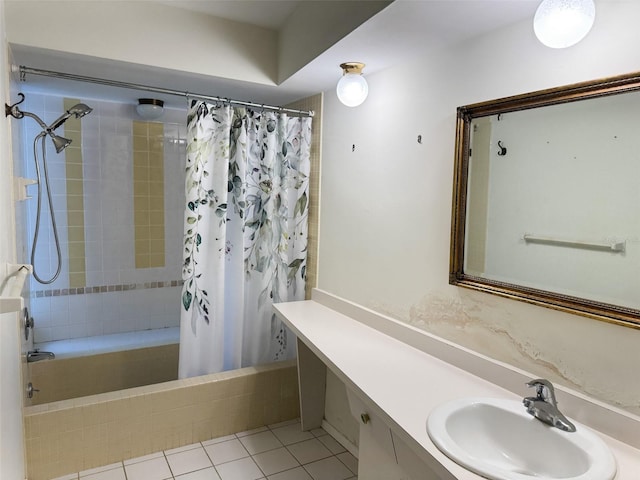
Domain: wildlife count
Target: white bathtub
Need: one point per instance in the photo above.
(78, 347)
(93, 365)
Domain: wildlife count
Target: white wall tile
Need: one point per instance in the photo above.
(109, 230)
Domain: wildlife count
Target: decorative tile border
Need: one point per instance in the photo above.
(105, 288)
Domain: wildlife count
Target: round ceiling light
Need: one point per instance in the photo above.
(150, 108)
(352, 88)
(563, 23)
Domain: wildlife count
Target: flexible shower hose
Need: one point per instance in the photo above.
(53, 217)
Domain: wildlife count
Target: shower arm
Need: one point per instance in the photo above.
(78, 110)
(15, 112)
(59, 142)
(35, 117)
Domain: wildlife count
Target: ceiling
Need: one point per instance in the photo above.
(401, 31)
(270, 14)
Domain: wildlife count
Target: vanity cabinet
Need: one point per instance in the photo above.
(382, 454)
(395, 376)
(377, 457)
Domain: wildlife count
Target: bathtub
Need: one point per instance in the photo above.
(77, 347)
(74, 435)
(92, 365)
(92, 429)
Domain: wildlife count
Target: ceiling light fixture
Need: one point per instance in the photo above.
(352, 88)
(150, 108)
(563, 23)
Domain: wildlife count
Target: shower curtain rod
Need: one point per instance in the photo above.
(167, 91)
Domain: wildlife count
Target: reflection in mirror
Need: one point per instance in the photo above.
(546, 202)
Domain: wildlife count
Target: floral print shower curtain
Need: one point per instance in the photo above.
(245, 235)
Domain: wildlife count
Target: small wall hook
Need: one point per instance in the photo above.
(420, 139)
(353, 147)
(13, 110)
(502, 151)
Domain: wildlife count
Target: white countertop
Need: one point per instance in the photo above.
(404, 382)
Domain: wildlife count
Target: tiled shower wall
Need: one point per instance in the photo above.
(313, 103)
(118, 201)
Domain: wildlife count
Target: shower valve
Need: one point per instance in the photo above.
(31, 390)
(28, 322)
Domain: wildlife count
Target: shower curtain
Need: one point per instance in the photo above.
(245, 235)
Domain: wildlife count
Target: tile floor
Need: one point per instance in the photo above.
(275, 452)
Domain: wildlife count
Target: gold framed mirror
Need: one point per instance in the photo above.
(546, 199)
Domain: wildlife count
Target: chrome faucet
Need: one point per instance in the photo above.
(36, 355)
(544, 406)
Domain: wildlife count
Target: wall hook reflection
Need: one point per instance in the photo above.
(502, 150)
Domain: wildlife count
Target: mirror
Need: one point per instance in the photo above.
(546, 200)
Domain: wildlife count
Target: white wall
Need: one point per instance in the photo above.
(146, 33)
(11, 389)
(154, 34)
(385, 218)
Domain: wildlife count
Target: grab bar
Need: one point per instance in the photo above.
(607, 246)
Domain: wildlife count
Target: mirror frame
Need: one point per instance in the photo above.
(465, 115)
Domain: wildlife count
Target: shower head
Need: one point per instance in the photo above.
(59, 142)
(79, 110)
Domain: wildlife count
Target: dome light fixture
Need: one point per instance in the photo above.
(150, 108)
(352, 88)
(563, 23)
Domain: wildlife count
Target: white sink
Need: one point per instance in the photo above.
(498, 439)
